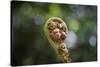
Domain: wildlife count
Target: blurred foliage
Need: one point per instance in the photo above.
(29, 44)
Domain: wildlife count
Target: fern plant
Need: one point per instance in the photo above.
(56, 31)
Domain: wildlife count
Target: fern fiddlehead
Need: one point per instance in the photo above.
(56, 32)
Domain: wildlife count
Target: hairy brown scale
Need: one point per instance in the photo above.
(57, 30)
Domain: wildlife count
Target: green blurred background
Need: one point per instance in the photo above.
(31, 47)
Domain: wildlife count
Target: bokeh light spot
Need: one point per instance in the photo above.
(92, 40)
(74, 25)
(71, 39)
(39, 20)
